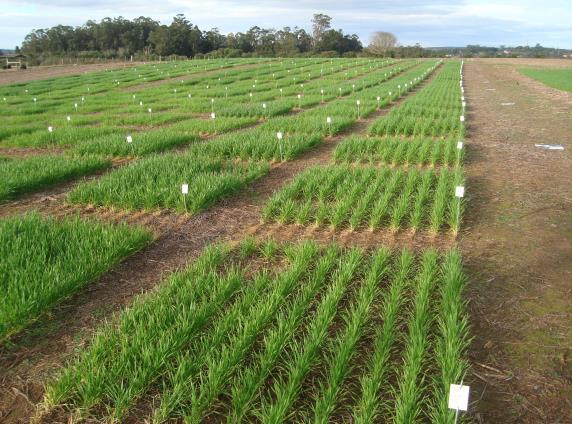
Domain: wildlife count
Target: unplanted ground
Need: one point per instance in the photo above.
(14, 76)
(517, 244)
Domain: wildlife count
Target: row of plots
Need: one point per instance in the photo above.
(261, 331)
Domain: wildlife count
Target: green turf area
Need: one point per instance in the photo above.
(556, 78)
(44, 260)
(282, 333)
(19, 176)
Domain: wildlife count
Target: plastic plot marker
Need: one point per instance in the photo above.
(279, 136)
(185, 192)
(458, 398)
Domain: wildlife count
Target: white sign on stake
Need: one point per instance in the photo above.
(129, 139)
(213, 116)
(68, 118)
(263, 105)
(329, 120)
(185, 188)
(50, 129)
(459, 397)
(149, 110)
(279, 135)
(459, 191)
(462, 118)
(459, 145)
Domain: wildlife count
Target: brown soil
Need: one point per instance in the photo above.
(14, 76)
(35, 355)
(517, 246)
(533, 63)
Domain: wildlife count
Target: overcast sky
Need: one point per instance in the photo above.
(436, 23)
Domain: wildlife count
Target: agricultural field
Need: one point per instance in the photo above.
(260, 329)
(242, 330)
(245, 240)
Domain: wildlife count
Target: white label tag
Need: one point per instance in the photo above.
(213, 115)
(329, 119)
(459, 145)
(279, 135)
(68, 118)
(462, 118)
(129, 139)
(185, 189)
(459, 191)
(50, 129)
(149, 110)
(459, 397)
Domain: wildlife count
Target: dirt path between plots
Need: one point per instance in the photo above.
(39, 351)
(517, 245)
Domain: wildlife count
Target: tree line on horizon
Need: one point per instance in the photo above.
(144, 37)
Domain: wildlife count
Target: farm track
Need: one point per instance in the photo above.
(517, 245)
(38, 73)
(38, 352)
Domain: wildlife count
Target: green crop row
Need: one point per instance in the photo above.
(398, 151)
(273, 333)
(434, 111)
(370, 197)
(24, 175)
(45, 260)
(155, 182)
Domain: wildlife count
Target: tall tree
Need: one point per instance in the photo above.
(381, 42)
(320, 24)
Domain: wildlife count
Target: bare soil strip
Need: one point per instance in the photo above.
(517, 244)
(15, 76)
